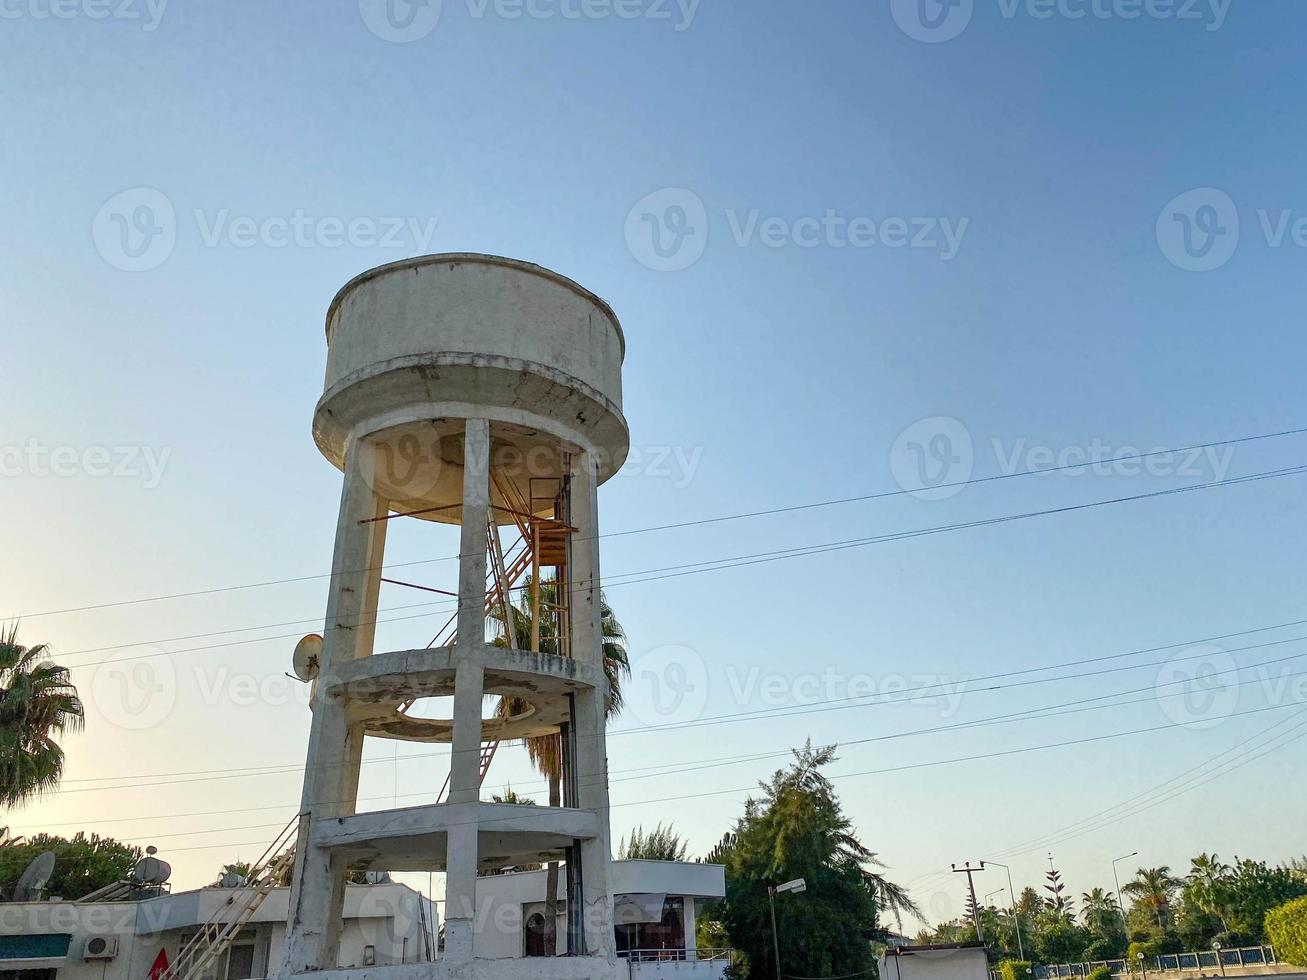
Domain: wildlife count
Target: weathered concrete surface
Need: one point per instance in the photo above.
(455, 386)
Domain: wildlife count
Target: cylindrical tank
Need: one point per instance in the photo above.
(417, 346)
(152, 871)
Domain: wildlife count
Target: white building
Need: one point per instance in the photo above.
(943, 961)
(384, 924)
(655, 910)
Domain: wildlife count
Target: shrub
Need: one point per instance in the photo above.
(1015, 970)
(1103, 949)
(1286, 928)
(1100, 973)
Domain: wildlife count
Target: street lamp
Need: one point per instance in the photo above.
(1220, 960)
(797, 885)
(1119, 904)
(1016, 919)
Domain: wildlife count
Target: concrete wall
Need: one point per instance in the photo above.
(388, 917)
(936, 964)
(503, 902)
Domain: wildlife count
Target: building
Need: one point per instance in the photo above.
(655, 913)
(655, 906)
(944, 961)
(387, 924)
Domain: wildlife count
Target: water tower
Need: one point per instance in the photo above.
(485, 393)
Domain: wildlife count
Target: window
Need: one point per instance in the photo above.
(540, 939)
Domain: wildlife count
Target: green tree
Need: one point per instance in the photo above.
(1286, 928)
(660, 844)
(38, 703)
(797, 829)
(1253, 890)
(1207, 886)
(83, 863)
(546, 751)
(1099, 913)
(1058, 900)
(1153, 889)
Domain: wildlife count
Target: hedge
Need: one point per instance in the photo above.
(1015, 970)
(1286, 928)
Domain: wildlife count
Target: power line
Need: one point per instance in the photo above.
(675, 526)
(869, 772)
(721, 564)
(786, 711)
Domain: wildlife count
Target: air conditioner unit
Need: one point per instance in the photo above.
(100, 948)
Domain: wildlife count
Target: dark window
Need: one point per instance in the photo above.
(539, 937)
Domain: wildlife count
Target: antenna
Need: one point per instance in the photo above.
(35, 878)
(307, 658)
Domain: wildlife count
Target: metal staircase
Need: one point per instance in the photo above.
(199, 954)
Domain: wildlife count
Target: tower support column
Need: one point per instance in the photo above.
(585, 607)
(469, 684)
(335, 746)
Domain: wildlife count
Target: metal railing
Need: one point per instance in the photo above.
(705, 955)
(1197, 962)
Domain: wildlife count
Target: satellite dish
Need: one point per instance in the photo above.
(308, 657)
(151, 870)
(378, 877)
(35, 878)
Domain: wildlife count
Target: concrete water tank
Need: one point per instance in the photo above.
(475, 335)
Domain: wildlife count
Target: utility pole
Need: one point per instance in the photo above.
(968, 870)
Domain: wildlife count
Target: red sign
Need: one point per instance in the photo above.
(159, 969)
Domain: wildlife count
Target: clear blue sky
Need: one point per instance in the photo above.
(784, 371)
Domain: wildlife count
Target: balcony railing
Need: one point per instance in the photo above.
(707, 955)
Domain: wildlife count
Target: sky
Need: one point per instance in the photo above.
(898, 251)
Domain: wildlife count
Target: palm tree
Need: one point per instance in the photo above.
(1153, 888)
(546, 751)
(1205, 886)
(1098, 910)
(37, 703)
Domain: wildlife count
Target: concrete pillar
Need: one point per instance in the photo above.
(469, 680)
(336, 746)
(591, 761)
